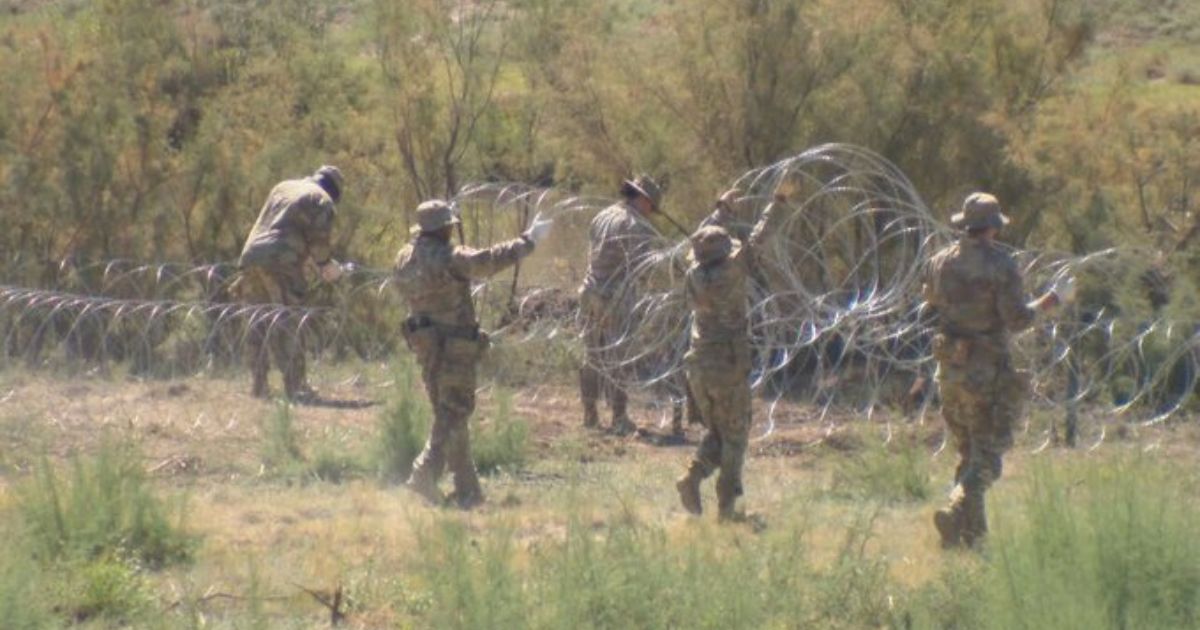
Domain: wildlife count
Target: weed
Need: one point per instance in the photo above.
(105, 507)
(333, 466)
(1112, 546)
(403, 425)
(503, 443)
(883, 472)
(281, 448)
(104, 587)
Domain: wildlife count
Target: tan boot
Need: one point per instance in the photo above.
(425, 487)
(688, 487)
(949, 520)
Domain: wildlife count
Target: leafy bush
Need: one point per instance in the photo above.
(105, 507)
(1110, 546)
(104, 587)
(882, 472)
(403, 424)
(502, 443)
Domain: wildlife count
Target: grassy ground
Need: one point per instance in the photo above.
(285, 506)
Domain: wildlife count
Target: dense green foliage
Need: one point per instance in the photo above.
(154, 129)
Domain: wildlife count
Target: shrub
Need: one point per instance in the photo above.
(104, 507)
(884, 472)
(502, 443)
(103, 587)
(1112, 546)
(403, 425)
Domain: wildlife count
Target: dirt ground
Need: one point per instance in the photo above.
(201, 438)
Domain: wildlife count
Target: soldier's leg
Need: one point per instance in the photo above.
(590, 379)
(733, 414)
(992, 438)
(458, 399)
(252, 287)
(619, 400)
(428, 466)
(708, 454)
(961, 407)
(288, 348)
(258, 359)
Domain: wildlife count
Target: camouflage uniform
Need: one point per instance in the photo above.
(976, 291)
(293, 228)
(619, 239)
(718, 362)
(434, 278)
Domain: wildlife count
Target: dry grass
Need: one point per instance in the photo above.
(266, 536)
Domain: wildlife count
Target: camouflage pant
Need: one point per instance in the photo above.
(718, 377)
(601, 321)
(448, 368)
(271, 330)
(982, 400)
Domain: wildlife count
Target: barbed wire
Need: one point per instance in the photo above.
(836, 316)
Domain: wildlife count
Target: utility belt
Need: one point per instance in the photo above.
(426, 337)
(956, 347)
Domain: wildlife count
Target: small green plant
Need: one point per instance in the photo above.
(104, 507)
(334, 466)
(882, 472)
(403, 425)
(1108, 545)
(503, 443)
(104, 587)
(23, 602)
(281, 448)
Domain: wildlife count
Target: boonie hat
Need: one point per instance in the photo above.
(330, 174)
(979, 210)
(434, 215)
(711, 243)
(647, 188)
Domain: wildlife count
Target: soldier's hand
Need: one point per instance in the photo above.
(1064, 288)
(728, 198)
(785, 189)
(331, 271)
(538, 229)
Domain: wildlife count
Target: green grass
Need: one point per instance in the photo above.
(501, 443)
(104, 506)
(1099, 546)
(403, 425)
(887, 473)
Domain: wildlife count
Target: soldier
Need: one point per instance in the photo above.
(975, 290)
(292, 231)
(718, 362)
(619, 238)
(434, 278)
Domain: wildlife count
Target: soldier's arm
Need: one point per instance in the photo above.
(1010, 299)
(767, 224)
(477, 264)
(317, 228)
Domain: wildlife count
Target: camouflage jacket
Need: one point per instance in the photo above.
(977, 291)
(716, 293)
(434, 276)
(619, 237)
(293, 227)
